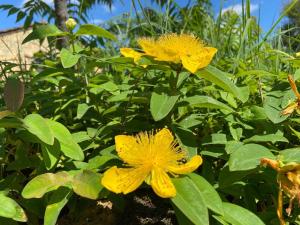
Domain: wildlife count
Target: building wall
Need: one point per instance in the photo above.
(11, 46)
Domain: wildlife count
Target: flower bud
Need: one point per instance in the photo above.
(71, 24)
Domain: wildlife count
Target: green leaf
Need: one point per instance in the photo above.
(273, 108)
(228, 97)
(244, 93)
(43, 31)
(161, 105)
(98, 161)
(9, 208)
(209, 194)
(13, 122)
(90, 29)
(181, 78)
(81, 136)
(267, 138)
(220, 79)
(220, 219)
(82, 109)
(190, 201)
(44, 183)
(39, 127)
(296, 133)
(13, 94)
(227, 177)
(5, 113)
(186, 139)
(248, 157)
(51, 154)
(206, 102)
(68, 59)
(191, 121)
(238, 215)
(67, 144)
(217, 139)
(56, 202)
(47, 73)
(290, 155)
(181, 218)
(87, 184)
(236, 133)
(109, 86)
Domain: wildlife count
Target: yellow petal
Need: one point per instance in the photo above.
(164, 136)
(188, 167)
(168, 55)
(129, 52)
(210, 51)
(128, 149)
(200, 60)
(149, 46)
(290, 108)
(121, 180)
(162, 184)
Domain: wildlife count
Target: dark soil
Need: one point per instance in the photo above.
(141, 208)
(145, 208)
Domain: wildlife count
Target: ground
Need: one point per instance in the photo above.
(141, 208)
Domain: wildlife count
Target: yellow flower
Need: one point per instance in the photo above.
(295, 105)
(148, 157)
(129, 52)
(183, 48)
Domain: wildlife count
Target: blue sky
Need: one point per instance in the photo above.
(268, 12)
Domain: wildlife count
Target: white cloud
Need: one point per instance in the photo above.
(109, 9)
(238, 8)
(49, 2)
(97, 21)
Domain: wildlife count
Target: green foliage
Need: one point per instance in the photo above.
(190, 201)
(10, 209)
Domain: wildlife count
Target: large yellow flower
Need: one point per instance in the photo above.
(183, 48)
(148, 157)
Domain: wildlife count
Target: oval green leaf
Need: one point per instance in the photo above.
(189, 200)
(56, 202)
(220, 79)
(209, 194)
(67, 144)
(248, 157)
(206, 102)
(38, 126)
(238, 215)
(91, 29)
(9, 208)
(161, 105)
(68, 59)
(87, 184)
(43, 31)
(38, 186)
(51, 154)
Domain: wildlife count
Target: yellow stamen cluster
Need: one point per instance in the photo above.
(149, 158)
(183, 48)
